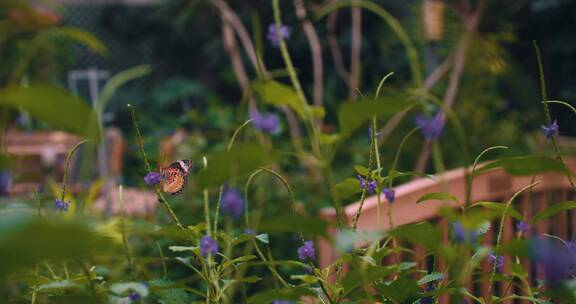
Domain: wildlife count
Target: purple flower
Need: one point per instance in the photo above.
(496, 259)
(266, 123)
(60, 205)
(285, 31)
(390, 194)
(431, 127)
(306, 251)
(208, 246)
(5, 183)
(462, 235)
(523, 227)
(370, 186)
(232, 203)
(308, 270)
(556, 258)
(152, 178)
(134, 296)
(249, 231)
(550, 131)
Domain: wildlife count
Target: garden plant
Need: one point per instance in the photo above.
(55, 248)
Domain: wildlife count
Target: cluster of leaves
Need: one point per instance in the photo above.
(60, 256)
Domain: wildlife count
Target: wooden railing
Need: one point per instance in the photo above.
(494, 186)
(38, 153)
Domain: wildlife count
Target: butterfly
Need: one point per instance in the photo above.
(175, 176)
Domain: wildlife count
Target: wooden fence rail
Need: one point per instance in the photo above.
(494, 186)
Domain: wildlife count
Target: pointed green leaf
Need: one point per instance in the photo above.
(524, 165)
(55, 106)
(239, 161)
(294, 223)
(438, 196)
(553, 210)
(279, 94)
(500, 207)
(431, 277)
(288, 293)
(347, 188)
(353, 115)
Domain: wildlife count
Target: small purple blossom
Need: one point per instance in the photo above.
(5, 183)
(390, 194)
(60, 205)
(249, 231)
(307, 251)
(308, 270)
(550, 131)
(556, 259)
(272, 36)
(232, 203)
(496, 259)
(134, 296)
(266, 123)
(431, 127)
(523, 227)
(370, 186)
(208, 246)
(462, 235)
(152, 178)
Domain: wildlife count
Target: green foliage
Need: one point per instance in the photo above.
(351, 116)
(239, 161)
(46, 103)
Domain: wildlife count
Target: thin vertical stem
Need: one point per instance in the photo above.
(555, 145)
(123, 231)
(149, 169)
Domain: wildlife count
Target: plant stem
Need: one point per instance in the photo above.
(149, 169)
(555, 145)
(123, 231)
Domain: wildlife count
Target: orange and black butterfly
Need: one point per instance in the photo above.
(175, 176)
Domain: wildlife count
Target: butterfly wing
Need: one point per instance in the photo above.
(175, 177)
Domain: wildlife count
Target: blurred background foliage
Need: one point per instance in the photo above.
(191, 85)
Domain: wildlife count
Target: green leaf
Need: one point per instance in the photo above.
(317, 112)
(438, 196)
(54, 106)
(182, 248)
(347, 188)
(288, 293)
(352, 115)
(422, 233)
(168, 292)
(263, 237)
(237, 261)
(500, 207)
(401, 291)
(279, 94)
(124, 289)
(524, 165)
(5, 160)
(84, 37)
(240, 160)
(58, 286)
(431, 277)
(294, 223)
(553, 210)
(347, 238)
(362, 170)
(371, 274)
(26, 240)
